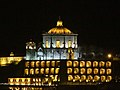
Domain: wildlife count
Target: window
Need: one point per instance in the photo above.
(82, 63)
(75, 63)
(95, 71)
(69, 43)
(32, 71)
(76, 70)
(102, 71)
(26, 71)
(37, 71)
(95, 64)
(57, 70)
(88, 64)
(69, 63)
(46, 44)
(32, 64)
(89, 71)
(101, 64)
(70, 77)
(103, 78)
(82, 70)
(47, 71)
(108, 64)
(69, 70)
(58, 44)
(108, 71)
(96, 78)
(27, 64)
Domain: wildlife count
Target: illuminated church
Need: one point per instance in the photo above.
(58, 43)
(57, 63)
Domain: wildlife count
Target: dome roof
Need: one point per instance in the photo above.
(59, 29)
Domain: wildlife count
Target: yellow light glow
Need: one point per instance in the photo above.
(76, 70)
(42, 63)
(26, 64)
(109, 78)
(82, 63)
(47, 44)
(101, 64)
(69, 70)
(42, 70)
(89, 71)
(59, 29)
(69, 63)
(37, 71)
(108, 64)
(32, 64)
(102, 71)
(37, 64)
(69, 43)
(52, 70)
(53, 63)
(95, 71)
(58, 44)
(56, 70)
(11, 54)
(48, 63)
(32, 71)
(109, 55)
(70, 77)
(76, 77)
(83, 77)
(82, 71)
(26, 71)
(103, 78)
(96, 78)
(57, 63)
(47, 71)
(75, 64)
(88, 64)
(89, 78)
(108, 71)
(95, 64)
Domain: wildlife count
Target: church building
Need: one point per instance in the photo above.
(58, 43)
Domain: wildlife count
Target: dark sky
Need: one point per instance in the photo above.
(96, 22)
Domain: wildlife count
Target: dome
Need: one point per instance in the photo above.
(59, 29)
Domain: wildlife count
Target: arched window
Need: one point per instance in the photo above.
(46, 44)
(108, 71)
(69, 43)
(95, 64)
(95, 71)
(88, 64)
(58, 44)
(75, 64)
(69, 70)
(69, 63)
(76, 70)
(70, 77)
(89, 71)
(82, 63)
(101, 64)
(82, 70)
(108, 64)
(102, 71)
(26, 71)
(96, 78)
(32, 71)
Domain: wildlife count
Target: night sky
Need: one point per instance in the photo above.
(96, 22)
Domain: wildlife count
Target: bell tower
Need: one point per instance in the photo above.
(30, 50)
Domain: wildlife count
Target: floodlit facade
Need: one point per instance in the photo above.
(58, 43)
(57, 62)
